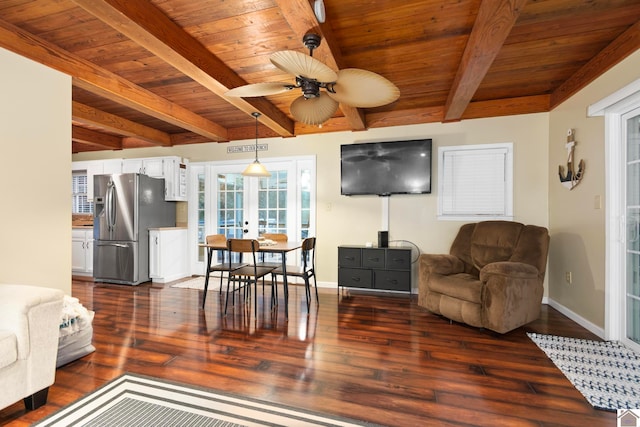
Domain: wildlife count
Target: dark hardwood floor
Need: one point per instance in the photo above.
(374, 357)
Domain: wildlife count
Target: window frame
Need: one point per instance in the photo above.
(77, 205)
(480, 149)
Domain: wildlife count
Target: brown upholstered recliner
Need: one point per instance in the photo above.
(492, 278)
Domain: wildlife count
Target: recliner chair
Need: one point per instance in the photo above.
(492, 278)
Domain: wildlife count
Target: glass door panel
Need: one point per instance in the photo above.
(632, 294)
(231, 204)
(273, 203)
(200, 211)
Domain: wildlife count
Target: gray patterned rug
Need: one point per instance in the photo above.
(140, 401)
(198, 283)
(605, 372)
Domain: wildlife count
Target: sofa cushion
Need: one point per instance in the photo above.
(494, 241)
(8, 348)
(462, 286)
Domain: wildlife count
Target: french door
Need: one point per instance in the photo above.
(630, 125)
(248, 207)
(225, 202)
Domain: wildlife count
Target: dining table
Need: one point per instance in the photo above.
(281, 248)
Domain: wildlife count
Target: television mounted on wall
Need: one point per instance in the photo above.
(386, 168)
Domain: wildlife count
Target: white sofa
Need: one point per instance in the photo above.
(29, 331)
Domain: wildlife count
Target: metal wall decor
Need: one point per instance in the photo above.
(572, 178)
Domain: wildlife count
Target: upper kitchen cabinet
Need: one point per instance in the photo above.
(100, 167)
(151, 167)
(175, 178)
(172, 168)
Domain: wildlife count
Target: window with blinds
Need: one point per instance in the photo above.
(79, 203)
(475, 182)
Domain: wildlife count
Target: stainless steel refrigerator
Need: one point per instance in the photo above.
(125, 207)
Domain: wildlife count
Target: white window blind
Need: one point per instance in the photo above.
(475, 182)
(79, 203)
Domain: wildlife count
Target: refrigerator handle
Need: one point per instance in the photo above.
(116, 245)
(110, 206)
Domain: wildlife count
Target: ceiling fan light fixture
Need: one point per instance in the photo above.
(313, 111)
(352, 87)
(310, 88)
(256, 168)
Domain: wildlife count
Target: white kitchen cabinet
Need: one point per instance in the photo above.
(100, 167)
(175, 177)
(82, 251)
(152, 167)
(168, 254)
(173, 169)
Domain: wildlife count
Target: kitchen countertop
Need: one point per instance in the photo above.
(168, 228)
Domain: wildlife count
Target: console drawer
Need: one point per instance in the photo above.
(373, 258)
(349, 257)
(354, 278)
(392, 280)
(398, 259)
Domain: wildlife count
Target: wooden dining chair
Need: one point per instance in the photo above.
(226, 265)
(279, 238)
(306, 271)
(247, 275)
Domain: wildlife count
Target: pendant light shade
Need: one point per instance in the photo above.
(256, 168)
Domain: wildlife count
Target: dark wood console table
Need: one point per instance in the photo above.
(376, 268)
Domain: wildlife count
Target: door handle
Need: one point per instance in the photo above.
(117, 245)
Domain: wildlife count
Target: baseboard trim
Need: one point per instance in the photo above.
(591, 327)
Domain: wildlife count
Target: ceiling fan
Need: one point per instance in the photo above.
(322, 88)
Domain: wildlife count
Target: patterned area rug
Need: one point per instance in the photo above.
(198, 283)
(605, 372)
(133, 400)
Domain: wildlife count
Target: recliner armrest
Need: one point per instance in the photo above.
(516, 270)
(511, 296)
(441, 264)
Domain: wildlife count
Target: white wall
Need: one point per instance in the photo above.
(578, 227)
(35, 180)
(356, 220)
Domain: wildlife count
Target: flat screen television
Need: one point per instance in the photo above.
(386, 168)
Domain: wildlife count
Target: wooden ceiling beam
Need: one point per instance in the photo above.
(111, 123)
(507, 107)
(149, 27)
(301, 18)
(623, 46)
(102, 82)
(493, 24)
(95, 139)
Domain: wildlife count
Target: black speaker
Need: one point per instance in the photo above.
(383, 239)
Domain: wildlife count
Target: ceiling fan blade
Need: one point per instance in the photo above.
(299, 64)
(363, 89)
(260, 89)
(313, 111)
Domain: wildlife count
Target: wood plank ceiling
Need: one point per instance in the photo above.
(155, 72)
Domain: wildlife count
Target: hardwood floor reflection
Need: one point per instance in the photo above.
(374, 357)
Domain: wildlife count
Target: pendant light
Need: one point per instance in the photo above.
(256, 168)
